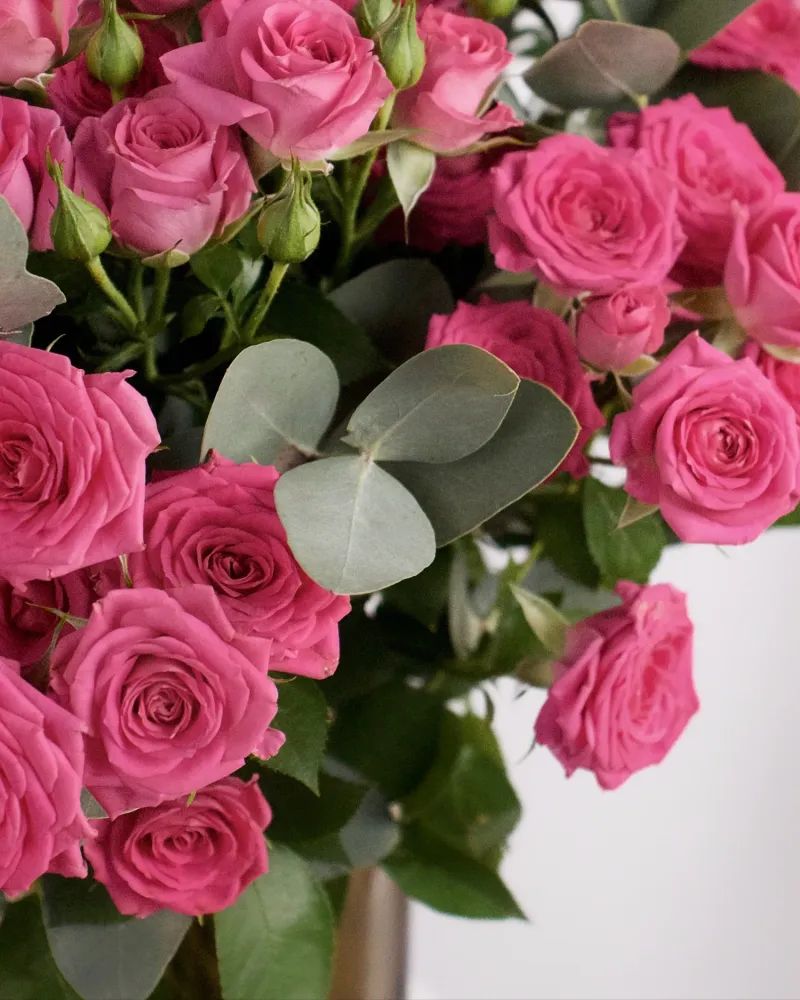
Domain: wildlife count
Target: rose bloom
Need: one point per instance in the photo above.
(464, 57)
(584, 218)
(712, 443)
(76, 94)
(614, 330)
(41, 769)
(762, 273)
(623, 690)
(171, 696)
(26, 133)
(715, 164)
(295, 74)
(26, 624)
(537, 345)
(165, 177)
(33, 35)
(765, 36)
(191, 858)
(784, 375)
(72, 464)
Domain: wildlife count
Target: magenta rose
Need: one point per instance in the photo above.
(27, 627)
(295, 74)
(537, 345)
(714, 162)
(464, 57)
(612, 331)
(166, 179)
(765, 36)
(712, 443)
(26, 134)
(72, 465)
(171, 696)
(623, 690)
(784, 375)
(33, 35)
(191, 858)
(217, 525)
(41, 771)
(762, 273)
(584, 218)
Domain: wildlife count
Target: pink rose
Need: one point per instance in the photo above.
(162, 6)
(192, 858)
(715, 164)
(614, 330)
(76, 94)
(164, 176)
(712, 443)
(41, 770)
(623, 691)
(171, 697)
(72, 464)
(296, 74)
(464, 57)
(217, 525)
(784, 375)
(584, 218)
(26, 133)
(33, 35)
(762, 273)
(537, 345)
(27, 626)
(765, 36)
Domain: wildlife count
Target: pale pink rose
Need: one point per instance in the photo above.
(295, 74)
(715, 164)
(623, 690)
(765, 36)
(784, 375)
(712, 443)
(171, 696)
(762, 273)
(584, 218)
(464, 57)
(33, 35)
(217, 525)
(27, 627)
(191, 858)
(26, 133)
(41, 771)
(612, 331)
(72, 464)
(166, 179)
(76, 94)
(537, 345)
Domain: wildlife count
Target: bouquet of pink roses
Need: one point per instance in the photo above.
(351, 353)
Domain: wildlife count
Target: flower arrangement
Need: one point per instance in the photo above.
(357, 362)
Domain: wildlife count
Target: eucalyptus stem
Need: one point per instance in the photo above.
(112, 293)
(268, 293)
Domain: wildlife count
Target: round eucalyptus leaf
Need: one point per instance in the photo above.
(24, 297)
(352, 527)
(439, 406)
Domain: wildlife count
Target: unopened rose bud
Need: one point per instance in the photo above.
(289, 225)
(115, 52)
(371, 14)
(401, 50)
(490, 10)
(614, 330)
(80, 231)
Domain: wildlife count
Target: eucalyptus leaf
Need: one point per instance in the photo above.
(27, 969)
(24, 297)
(411, 169)
(276, 941)
(691, 23)
(627, 553)
(275, 396)
(353, 527)
(303, 718)
(546, 621)
(531, 443)
(23, 337)
(441, 405)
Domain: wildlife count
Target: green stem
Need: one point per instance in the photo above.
(136, 289)
(111, 292)
(160, 292)
(382, 205)
(268, 293)
(616, 13)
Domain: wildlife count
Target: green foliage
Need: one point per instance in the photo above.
(424, 598)
(218, 267)
(690, 23)
(559, 529)
(24, 297)
(629, 553)
(411, 168)
(303, 718)
(27, 970)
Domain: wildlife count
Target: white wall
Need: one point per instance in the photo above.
(685, 882)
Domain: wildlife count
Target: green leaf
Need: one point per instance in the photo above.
(411, 169)
(303, 717)
(788, 520)
(620, 553)
(276, 941)
(24, 297)
(449, 882)
(546, 621)
(530, 444)
(27, 970)
(559, 526)
(424, 597)
(368, 142)
(633, 511)
(197, 313)
(691, 23)
(218, 267)
(351, 526)
(274, 397)
(441, 405)
(300, 814)
(604, 62)
(103, 955)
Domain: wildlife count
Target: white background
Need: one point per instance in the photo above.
(685, 882)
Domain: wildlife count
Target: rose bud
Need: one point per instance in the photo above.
(289, 225)
(400, 47)
(490, 10)
(115, 52)
(80, 231)
(614, 330)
